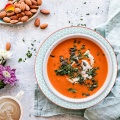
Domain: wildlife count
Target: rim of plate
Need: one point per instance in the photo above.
(20, 23)
(39, 65)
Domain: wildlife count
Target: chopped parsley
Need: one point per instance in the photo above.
(72, 90)
(82, 47)
(88, 14)
(29, 54)
(32, 44)
(86, 55)
(52, 56)
(20, 60)
(72, 68)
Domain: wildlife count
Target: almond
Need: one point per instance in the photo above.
(28, 2)
(21, 1)
(22, 6)
(37, 22)
(28, 13)
(20, 15)
(34, 2)
(6, 19)
(27, 7)
(19, 19)
(34, 7)
(43, 26)
(8, 46)
(39, 2)
(2, 14)
(17, 5)
(33, 10)
(24, 19)
(9, 2)
(17, 10)
(10, 14)
(44, 11)
(15, 17)
(14, 21)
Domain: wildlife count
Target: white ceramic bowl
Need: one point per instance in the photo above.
(108, 78)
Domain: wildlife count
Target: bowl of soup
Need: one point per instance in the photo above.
(77, 68)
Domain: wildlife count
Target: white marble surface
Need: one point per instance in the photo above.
(62, 12)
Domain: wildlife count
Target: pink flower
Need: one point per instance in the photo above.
(7, 75)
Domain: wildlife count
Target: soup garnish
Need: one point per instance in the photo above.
(78, 69)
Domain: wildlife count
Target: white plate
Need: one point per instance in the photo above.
(40, 62)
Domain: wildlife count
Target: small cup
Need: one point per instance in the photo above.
(15, 99)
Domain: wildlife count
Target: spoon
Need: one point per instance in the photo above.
(12, 2)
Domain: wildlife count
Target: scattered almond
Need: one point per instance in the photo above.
(39, 2)
(28, 2)
(24, 19)
(8, 46)
(44, 11)
(37, 22)
(43, 26)
(17, 10)
(14, 21)
(33, 10)
(2, 14)
(6, 19)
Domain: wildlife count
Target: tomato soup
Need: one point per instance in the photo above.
(77, 68)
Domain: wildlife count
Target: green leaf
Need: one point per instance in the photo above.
(20, 60)
(2, 85)
(72, 90)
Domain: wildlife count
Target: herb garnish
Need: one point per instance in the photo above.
(88, 14)
(23, 40)
(82, 47)
(72, 90)
(85, 94)
(98, 53)
(52, 56)
(86, 55)
(29, 54)
(30, 51)
(32, 44)
(20, 60)
(92, 71)
(72, 67)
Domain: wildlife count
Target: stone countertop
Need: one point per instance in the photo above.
(64, 13)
